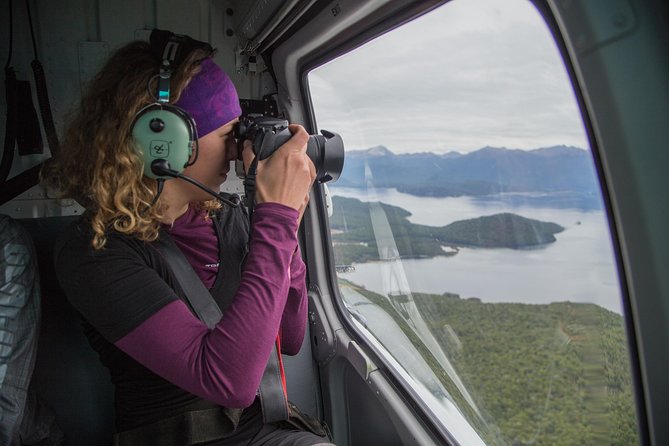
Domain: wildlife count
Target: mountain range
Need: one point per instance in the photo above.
(485, 171)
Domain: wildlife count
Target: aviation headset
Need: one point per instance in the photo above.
(165, 134)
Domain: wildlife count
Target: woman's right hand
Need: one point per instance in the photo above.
(287, 175)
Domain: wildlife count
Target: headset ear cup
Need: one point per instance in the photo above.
(192, 129)
(163, 131)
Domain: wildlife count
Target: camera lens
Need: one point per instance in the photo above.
(326, 150)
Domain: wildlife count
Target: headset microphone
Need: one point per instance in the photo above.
(161, 168)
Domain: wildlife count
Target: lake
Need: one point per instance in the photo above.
(578, 267)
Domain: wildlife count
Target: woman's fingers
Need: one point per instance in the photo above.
(287, 175)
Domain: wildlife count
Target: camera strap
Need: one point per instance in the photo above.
(250, 186)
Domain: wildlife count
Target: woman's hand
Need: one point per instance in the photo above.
(286, 176)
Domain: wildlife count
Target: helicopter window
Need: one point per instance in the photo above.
(470, 237)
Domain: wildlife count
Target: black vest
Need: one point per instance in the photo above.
(232, 229)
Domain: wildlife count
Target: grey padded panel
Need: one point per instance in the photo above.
(68, 375)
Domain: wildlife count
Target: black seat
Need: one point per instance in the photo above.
(68, 375)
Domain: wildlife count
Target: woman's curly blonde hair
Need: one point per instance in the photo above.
(99, 165)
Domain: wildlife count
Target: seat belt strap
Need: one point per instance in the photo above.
(272, 391)
(10, 124)
(42, 93)
(198, 297)
(45, 107)
(10, 97)
(28, 133)
(22, 126)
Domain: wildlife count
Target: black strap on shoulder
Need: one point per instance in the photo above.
(198, 297)
(272, 395)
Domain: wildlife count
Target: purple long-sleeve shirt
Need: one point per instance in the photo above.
(225, 364)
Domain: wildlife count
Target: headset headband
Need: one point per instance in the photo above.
(171, 49)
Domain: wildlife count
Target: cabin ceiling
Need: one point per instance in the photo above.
(260, 23)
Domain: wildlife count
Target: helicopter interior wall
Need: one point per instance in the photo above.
(623, 71)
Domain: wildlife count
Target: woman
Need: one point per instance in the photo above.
(172, 374)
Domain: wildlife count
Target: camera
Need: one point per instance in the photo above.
(267, 134)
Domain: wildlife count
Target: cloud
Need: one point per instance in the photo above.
(467, 75)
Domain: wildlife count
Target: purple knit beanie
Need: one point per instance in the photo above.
(210, 98)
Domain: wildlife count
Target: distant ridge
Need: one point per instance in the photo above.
(485, 171)
(550, 150)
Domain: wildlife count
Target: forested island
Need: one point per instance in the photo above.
(554, 374)
(354, 239)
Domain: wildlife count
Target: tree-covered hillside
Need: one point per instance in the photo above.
(355, 241)
(555, 374)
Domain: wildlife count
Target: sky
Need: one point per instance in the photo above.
(470, 74)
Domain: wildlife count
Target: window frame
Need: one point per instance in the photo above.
(548, 15)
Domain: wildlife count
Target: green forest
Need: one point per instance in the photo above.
(354, 239)
(555, 374)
